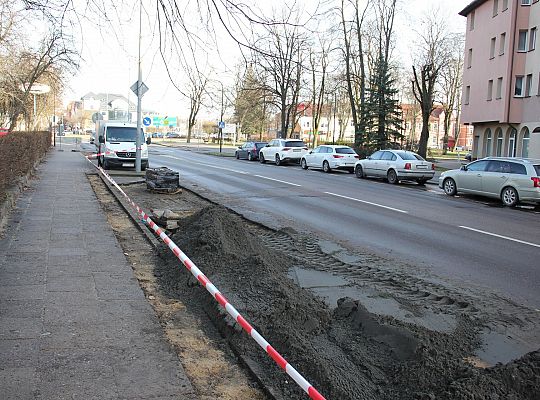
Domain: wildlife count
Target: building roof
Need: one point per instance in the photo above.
(471, 6)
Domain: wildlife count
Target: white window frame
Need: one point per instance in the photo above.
(525, 34)
(519, 78)
(505, 5)
(471, 20)
(490, 90)
(495, 8)
(498, 94)
(469, 58)
(502, 43)
(532, 38)
(528, 85)
(467, 95)
(492, 46)
(525, 2)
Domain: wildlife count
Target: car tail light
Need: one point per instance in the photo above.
(433, 166)
(337, 156)
(408, 165)
(254, 149)
(536, 181)
(286, 149)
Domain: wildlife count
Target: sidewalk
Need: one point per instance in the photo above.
(74, 323)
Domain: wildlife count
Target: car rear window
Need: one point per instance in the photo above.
(537, 169)
(344, 150)
(516, 168)
(407, 156)
(295, 144)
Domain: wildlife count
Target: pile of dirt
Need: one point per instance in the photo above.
(347, 352)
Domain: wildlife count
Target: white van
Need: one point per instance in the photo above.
(116, 141)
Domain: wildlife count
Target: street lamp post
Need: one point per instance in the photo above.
(221, 121)
(334, 130)
(138, 143)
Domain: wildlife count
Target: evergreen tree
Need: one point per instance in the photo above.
(384, 113)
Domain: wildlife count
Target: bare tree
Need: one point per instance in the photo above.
(432, 50)
(451, 84)
(280, 60)
(196, 91)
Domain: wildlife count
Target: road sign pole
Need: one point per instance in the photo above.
(138, 143)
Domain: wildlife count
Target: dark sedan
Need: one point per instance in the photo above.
(249, 151)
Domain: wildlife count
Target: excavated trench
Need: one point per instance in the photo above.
(355, 325)
(343, 348)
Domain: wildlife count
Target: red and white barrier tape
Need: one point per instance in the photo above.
(99, 154)
(216, 294)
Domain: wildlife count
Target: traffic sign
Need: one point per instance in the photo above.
(143, 88)
(221, 124)
(147, 121)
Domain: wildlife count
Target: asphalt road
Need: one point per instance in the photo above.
(464, 240)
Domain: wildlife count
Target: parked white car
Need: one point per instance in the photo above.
(329, 157)
(283, 150)
(395, 165)
(508, 178)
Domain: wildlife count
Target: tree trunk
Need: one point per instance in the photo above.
(424, 135)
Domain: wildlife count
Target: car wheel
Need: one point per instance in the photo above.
(509, 196)
(303, 163)
(391, 176)
(421, 181)
(250, 156)
(278, 160)
(449, 187)
(106, 164)
(326, 167)
(261, 158)
(237, 155)
(359, 171)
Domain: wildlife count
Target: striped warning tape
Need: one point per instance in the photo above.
(216, 294)
(99, 154)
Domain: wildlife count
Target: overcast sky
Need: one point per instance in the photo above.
(110, 59)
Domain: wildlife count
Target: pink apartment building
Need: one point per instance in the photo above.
(501, 77)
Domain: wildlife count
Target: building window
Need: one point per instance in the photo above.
(467, 95)
(469, 59)
(502, 43)
(488, 143)
(505, 5)
(512, 144)
(499, 147)
(525, 2)
(492, 48)
(499, 88)
(495, 7)
(471, 21)
(518, 89)
(532, 39)
(525, 145)
(522, 41)
(490, 90)
(528, 85)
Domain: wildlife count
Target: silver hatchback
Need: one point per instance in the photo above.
(513, 180)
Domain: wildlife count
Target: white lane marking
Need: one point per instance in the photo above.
(367, 202)
(207, 165)
(500, 236)
(277, 180)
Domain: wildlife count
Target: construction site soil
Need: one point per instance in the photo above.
(356, 325)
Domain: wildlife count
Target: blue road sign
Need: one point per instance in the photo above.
(147, 121)
(221, 125)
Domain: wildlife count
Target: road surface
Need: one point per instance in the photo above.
(466, 240)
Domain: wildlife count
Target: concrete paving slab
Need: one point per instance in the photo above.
(74, 322)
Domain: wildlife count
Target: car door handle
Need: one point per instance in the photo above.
(479, 175)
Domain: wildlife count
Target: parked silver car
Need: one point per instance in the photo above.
(329, 157)
(395, 165)
(508, 178)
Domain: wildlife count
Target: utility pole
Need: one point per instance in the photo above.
(221, 121)
(138, 142)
